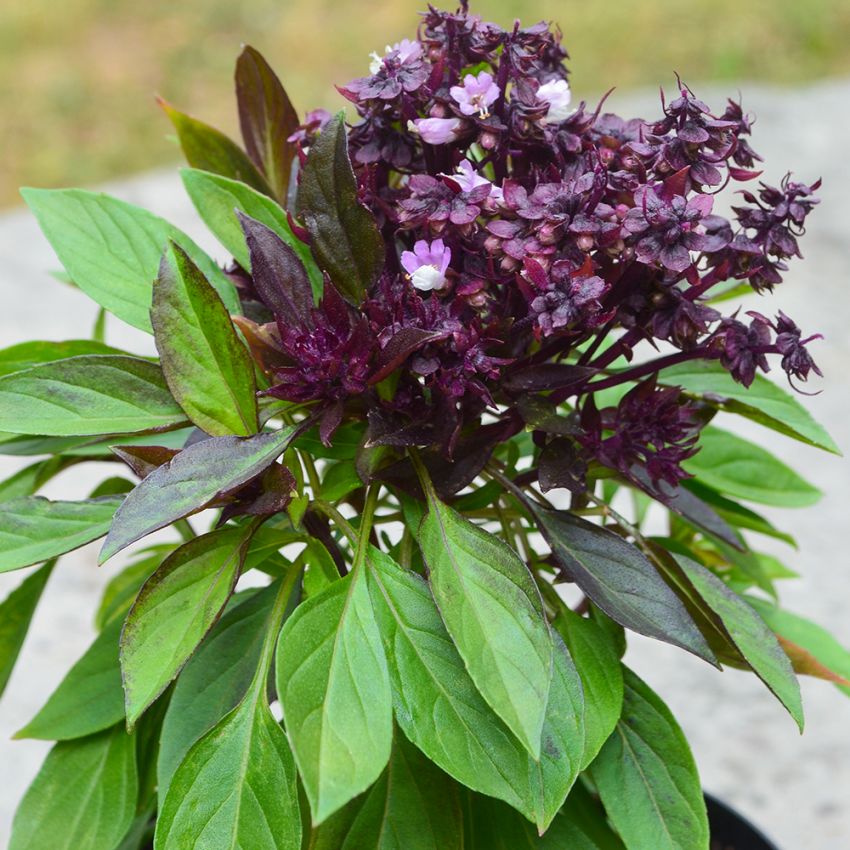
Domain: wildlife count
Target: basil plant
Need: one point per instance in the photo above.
(448, 425)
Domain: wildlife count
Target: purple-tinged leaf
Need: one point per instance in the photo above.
(143, 460)
(279, 276)
(561, 465)
(400, 346)
(209, 149)
(267, 119)
(688, 505)
(546, 376)
(346, 239)
(620, 579)
(189, 482)
(89, 395)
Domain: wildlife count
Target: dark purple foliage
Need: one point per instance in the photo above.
(524, 231)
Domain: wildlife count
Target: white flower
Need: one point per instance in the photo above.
(427, 278)
(376, 64)
(557, 95)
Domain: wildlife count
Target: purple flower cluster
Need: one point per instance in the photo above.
(524, 229)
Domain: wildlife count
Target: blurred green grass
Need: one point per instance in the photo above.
(78, 77)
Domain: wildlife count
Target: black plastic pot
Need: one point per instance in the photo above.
(730, 831)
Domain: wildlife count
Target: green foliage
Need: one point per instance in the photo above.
(647, 778)
(84, 795)
(89, 699)
(16, 612)
(112, 249)
(236, 787)
(34, 529)
(217, 200)
(88, 395)
(206, 365)
(493, 611)
(334, 687)
(742, 469)
(210, 150)
(173, 611)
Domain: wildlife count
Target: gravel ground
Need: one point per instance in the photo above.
(797, 788)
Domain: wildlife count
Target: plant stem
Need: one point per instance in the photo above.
(275, 621)
(337, 518)
(366, 525)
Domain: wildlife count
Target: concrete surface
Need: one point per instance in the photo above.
(797, 788)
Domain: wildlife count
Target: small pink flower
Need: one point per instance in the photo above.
(476, 94)
(556, 94)
(408, 51)
(426, 264)
(466, 178)
(437, 131)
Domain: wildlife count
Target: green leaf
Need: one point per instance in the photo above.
(175, 609)
(16, 612)
(333, 685)
(209, 149)
(815, 639)
(439, 709)
(267, 119)
(121, 589)
(763, 401)
(750, 635)
(598, 664)
(88, 395)
(494, 613)
(190, 481)
(27, 354)
(26, 481)
(89, 699)
(237, 786)
(112, 249)
(217, 200)
(34, 529)
(618, 578)
(206, 365)
(742, 469)
(647, 778)
(346, 239)
(413, 806)
(215, 680)
(580, 825)
(83, 797)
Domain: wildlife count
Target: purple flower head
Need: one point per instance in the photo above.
(669, 230)
(743, 349)
(653, 428)
(564, 298)
(796, 360)
(438, 131)
(426, 264)
(556, 95)
(476, 95)
(436, 202)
